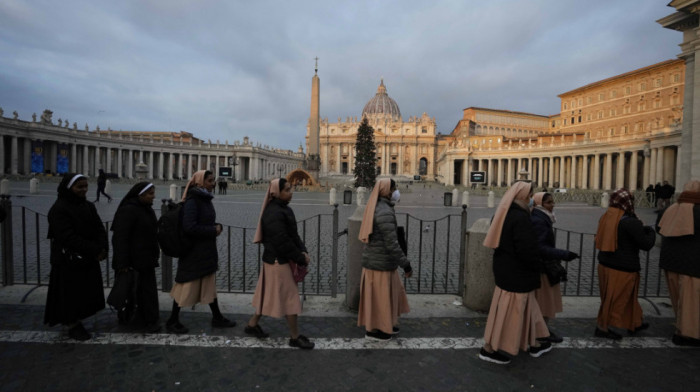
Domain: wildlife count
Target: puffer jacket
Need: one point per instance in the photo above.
(631, 237)
(516, 261)
(198, 223)
(280, 236)
(382, 252)
(542, 225)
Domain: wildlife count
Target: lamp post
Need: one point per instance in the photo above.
(280, 170)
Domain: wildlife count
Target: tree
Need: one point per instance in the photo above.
(365, 156)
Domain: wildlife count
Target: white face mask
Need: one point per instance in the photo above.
(396, 196)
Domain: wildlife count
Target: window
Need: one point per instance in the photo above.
(613, 94)
(601, 97)
(566, 105)
(641, 107)
(553, 124)
(588, 117)
(589, 100)
(424, 130)
(572, 121)
(579, 118)
(658, 82)
(642, 86)
(564, 121)
(580, 102)
(676, 78)
(628, 90)
(573, 104)
(657, 103)
(600, 114)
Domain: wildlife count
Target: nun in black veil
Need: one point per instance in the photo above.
(135, 247)
(78, 244)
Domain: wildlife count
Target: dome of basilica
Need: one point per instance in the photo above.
(382, 106)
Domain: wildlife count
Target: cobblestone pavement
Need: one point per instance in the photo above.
(591, 364)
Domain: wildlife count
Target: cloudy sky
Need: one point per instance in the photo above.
(228, 69)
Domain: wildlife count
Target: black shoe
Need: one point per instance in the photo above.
(79, 333)
(152, 328)
(552, 338)
(176, 328)
(256, 331)
(639, 328)
(680, 340)
(599, 333)
(544, 347)
(302, 342)
(378, 335)
(222, 323)
(395, 330)
(494, 357)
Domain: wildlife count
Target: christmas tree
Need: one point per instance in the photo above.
(365, 170)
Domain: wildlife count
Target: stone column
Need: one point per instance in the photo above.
(574, 169)
(86, 160)
(500, 171)
(509, 171)
(584, 172)
(645, 172)
(14, 155)
(108, 160)
(634, 164)
(540, 167)
(27, 146)
(150, 165)
(171, 164)
(652, 168)
(73, 157)
(161, 165)
(596, 171)
(660, 165)
(562, 172)
(98, 164)
(620, 176)
(337, 159)
(120, 171)
(490, 174)
(678, 183)
(607, 176)
(2, 161)
(550, 171)
(130, 164)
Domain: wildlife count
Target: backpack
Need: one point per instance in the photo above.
(171, 238)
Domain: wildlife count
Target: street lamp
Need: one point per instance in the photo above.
(233, 161)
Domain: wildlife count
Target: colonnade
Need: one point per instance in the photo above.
(608, 169)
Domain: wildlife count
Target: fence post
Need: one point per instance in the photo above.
(334, 261)
(8, 272)
(166, 262)
(462, 248)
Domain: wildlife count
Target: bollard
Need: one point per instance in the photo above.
(605, 200)
(354, 259)
(465, 198)
(361, 195)
(108, 187)
(34, 186)
(5, 187)
(166, 262)
(173, 192)
(478, 274)
(490, 200)
(6, 241)
(332, 196)
(455, 194)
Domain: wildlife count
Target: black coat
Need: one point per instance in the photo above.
(680, 254)
(75, 288)
(198, 224)
(545, 238)
(280, 235)
(516, 261)
(134, 241)
(632, 237)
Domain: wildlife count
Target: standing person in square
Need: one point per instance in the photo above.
(78, 244)
(195, 281)
(135, 247)
(101, 186)
(548, 295)
(620, 237)
(276, 294)
(680, 247)
(515, 321)
(382, 295)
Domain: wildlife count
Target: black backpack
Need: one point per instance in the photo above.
(171, 238)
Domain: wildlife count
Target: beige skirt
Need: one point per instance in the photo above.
(382, 300)
(514, 322)
(276, 294)
(684, 291)
(619, 306)
(202, 290)
(549, 298)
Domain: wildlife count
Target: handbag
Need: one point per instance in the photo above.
(123, 293)
(555, 272)
(298, 271)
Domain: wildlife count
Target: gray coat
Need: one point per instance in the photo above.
(382, 252)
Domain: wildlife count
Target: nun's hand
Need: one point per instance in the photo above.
(219, 229)
(307, 258)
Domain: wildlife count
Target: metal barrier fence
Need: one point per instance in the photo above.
(435, 248)
(583, 272)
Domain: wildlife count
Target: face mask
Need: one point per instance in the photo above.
(531, 203)
(396, 196)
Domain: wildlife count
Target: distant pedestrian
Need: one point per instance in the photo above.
(382, 295)
(650, 194)
(667, 191)
(224, 182)
(195, 281)
(619, 238)
(276, 294)
(135, 247)
(101, 185)
(657, 195)
(515, 320)
(548, 295)
(680, 247)
(78, 244)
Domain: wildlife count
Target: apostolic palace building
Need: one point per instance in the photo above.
(620, 131)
